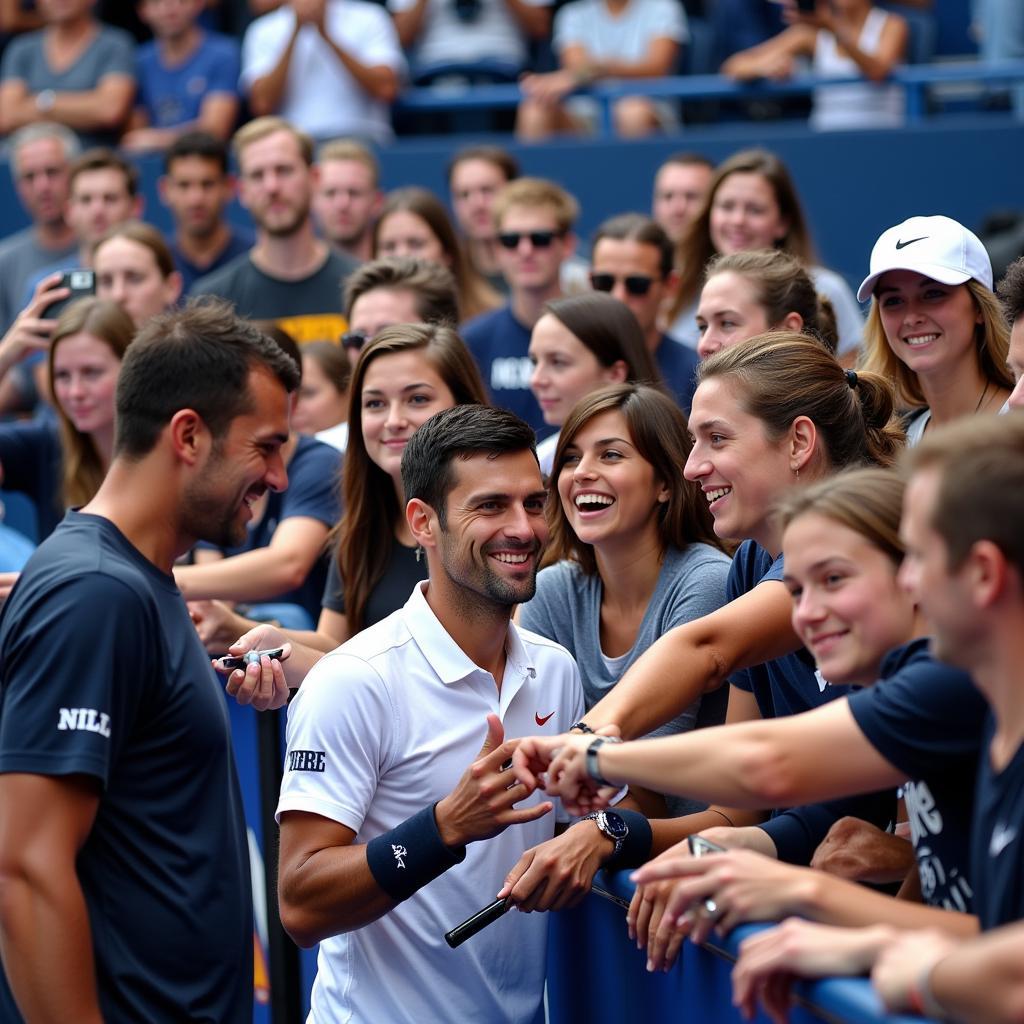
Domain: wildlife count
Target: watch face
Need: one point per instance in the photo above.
(616, 826)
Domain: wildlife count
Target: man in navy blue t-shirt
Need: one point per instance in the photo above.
(122, 818)
(535, 219)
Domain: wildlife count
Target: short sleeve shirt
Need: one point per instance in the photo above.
(112, 52)
(628, 37)
(102, 674)
(381, 728)
(678, 364)
(404, 570)
(174, 95)
(928, 720)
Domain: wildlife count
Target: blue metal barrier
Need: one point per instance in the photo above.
(596, 974)
(916, 80)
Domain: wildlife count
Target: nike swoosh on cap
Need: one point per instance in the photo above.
(900, 244)
(539, 720)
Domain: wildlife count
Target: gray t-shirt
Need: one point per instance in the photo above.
(21, 258)
(112, 52)
(567, 609)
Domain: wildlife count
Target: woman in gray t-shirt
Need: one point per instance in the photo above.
(632, 552)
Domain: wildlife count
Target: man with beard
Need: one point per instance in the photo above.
(289, 276)
(386, 784)
(123, 856)
(196, 187)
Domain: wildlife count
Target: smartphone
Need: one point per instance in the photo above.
(79, 282)
(230, 662)
(699, 846)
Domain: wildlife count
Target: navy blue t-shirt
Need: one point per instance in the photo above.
(997, 838)
(102, 674)
(927, 719)
(238, 242)
(678, 365)
(31, 456)
(314, 474)
(500, 343)
(790, 685)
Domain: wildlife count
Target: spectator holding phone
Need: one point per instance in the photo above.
(839, 37)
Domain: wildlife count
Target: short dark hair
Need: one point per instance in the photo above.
(101, 159)
(201, 144)
(1011, 290)
(196, 358)
(495, 155)
(432, 285)
(635, 227)
(458, 433)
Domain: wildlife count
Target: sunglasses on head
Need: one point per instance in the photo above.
(354, 340)
(636, 284)
(538, 239)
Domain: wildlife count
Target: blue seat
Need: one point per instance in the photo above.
(20, 513)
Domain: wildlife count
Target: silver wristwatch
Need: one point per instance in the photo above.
(612, 825)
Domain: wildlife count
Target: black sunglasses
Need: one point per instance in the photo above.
(538, 239)
(636, 284)
(354, 340)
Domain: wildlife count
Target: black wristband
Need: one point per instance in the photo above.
(636, 847)
(412, 854)
(583, 727)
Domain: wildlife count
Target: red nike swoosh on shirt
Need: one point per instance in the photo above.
(539, 720)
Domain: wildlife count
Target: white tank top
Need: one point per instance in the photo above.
(861, 105)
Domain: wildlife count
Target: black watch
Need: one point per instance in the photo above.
(593, 768)
(612, 825)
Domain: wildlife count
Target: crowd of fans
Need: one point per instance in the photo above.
(777, 535)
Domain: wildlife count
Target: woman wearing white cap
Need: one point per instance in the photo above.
(935, 327)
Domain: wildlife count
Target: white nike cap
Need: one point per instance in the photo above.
(937, 247)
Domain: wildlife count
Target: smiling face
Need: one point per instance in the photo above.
(745, 214)
(564, 369)
(608, 490)
(848, 608)
(240, 467)
(400, 392)
(494, 531)
(729, 312)
(127, 273)
(929, 326)
(529, 267)
(739, 468)
(85, 372)
(404, 233)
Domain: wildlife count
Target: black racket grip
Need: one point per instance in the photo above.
(480, 920)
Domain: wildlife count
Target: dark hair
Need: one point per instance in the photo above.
(980, 463)
(782, 375)
(609, 329)
(82, 468)
(195, 358)
(657, 428)
(432, 285)
(696, 248)
(333, 362)
(475, 295)
(495, 155)
(635, 227)
(458, 433)
(1011, 290)
(101, 159)
(366, 533)
(201, 144)
(285, 342)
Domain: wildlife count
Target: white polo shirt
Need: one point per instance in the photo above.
(382, 727)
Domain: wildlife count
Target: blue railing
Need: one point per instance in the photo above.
(915, 79)
(596, 974)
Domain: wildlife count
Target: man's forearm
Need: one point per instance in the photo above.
(379, 81)
(267, 91)
(47, 952)
(983, 981)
